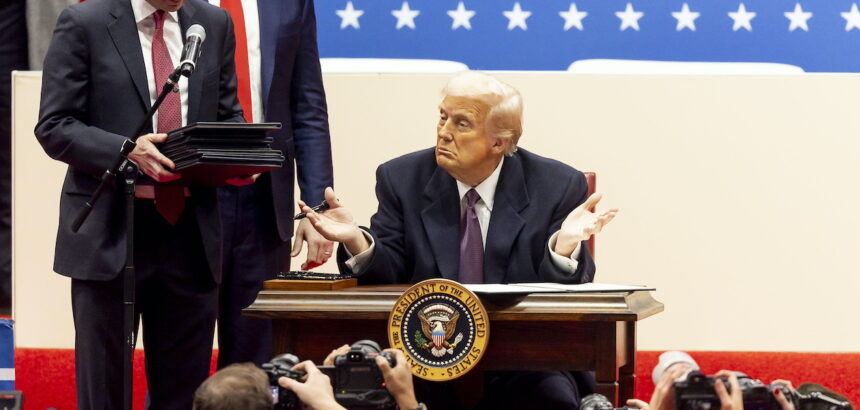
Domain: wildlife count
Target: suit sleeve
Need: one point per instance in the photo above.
(310, 114)
(388, 262)
(576, 193)
(229, 109)
(63, 128)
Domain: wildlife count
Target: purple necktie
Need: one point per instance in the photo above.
(471, 243)
(169, 197)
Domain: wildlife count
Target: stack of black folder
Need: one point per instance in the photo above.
(209, 153)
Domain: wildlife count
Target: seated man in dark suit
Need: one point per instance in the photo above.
(475, 209)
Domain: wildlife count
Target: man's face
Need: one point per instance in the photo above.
(167, 5)
(464, 146)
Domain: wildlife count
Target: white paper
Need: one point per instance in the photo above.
(546, 287)
(512, 288)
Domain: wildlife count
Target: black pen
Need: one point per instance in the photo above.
(319, 208)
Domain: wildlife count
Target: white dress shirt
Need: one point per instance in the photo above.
(483, 209)
(173, 38)
(252, 34)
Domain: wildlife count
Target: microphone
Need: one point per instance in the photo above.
(194, 37)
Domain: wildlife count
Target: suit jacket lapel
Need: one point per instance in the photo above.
(505, 221)
(270, 21)
(123, 32)
(187, 18)
(441, 218)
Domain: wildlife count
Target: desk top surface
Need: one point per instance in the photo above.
(376, 302)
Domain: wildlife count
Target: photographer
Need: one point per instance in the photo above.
(316, 390)
(235, 387)
(663, 397)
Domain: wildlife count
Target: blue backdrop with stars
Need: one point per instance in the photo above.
(817, 35)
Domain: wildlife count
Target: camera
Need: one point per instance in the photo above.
(696, 392)
(356, 379)
(282, 366)
(598, 401)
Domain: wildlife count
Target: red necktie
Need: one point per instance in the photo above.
(243, 70)
(471, 243)
(169, 197)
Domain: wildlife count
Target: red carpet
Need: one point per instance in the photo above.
(46, 376)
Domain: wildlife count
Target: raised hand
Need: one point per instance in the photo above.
(581, 223)
(316, 391)
(663, 397)
(336, 224)
(733, 400)
(398, 379)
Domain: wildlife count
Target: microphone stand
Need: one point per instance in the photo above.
(129, 170)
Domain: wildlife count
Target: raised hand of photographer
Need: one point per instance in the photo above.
(639, 404)
(733, 401)
(664, 393)
(398, 379)
(337, 224)
(340, 351)
(316, 391)
(780, 396)
(581, 223)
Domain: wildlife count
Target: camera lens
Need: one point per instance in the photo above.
(367, 346)
(286, 359)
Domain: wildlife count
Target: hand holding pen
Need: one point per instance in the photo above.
(324, 206)
(336, 223)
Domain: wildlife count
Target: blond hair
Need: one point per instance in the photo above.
(505, 119)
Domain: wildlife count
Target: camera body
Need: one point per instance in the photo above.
(357, 380)
(282, 366)
(696, 392)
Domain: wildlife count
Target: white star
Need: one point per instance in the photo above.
(572, 17)
(461, 17)
(349, 16)
(405, 16)
(517, 17)
(742, 18)
(686, 18)
(798, 18)
(629, 18)
(852, 18)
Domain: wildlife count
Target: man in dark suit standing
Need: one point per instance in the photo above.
(476, 209)
(279, 80)
(107, 61)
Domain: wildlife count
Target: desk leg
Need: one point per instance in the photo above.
(628, 371)
(606, 361)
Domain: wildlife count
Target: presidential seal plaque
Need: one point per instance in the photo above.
(441, 327)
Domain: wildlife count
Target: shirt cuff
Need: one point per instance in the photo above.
(355, 262)
(565, 263)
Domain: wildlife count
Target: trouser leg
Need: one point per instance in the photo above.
(253, 254)
(177, 302)
(97, 310)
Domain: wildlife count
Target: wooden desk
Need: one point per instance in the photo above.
(543, 332)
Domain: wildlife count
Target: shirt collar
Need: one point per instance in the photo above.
(142, 10)
(486, 189)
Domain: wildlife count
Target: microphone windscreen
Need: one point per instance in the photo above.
(196, 30)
